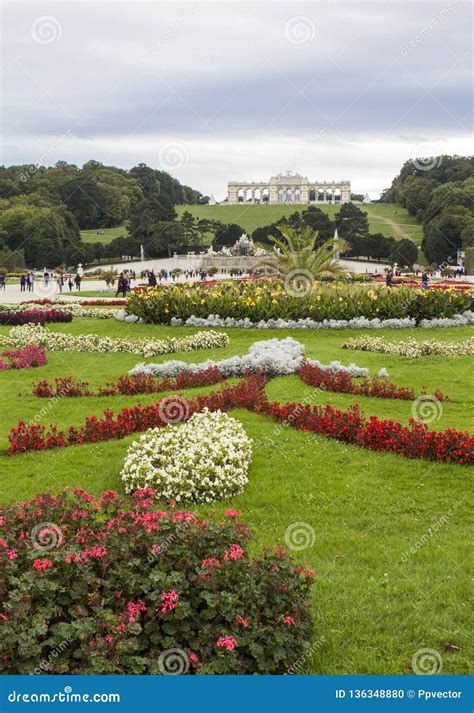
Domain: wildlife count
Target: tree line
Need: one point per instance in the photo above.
(43, 209)
(439, 192)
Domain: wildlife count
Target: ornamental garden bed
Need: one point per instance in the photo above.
(380, 529)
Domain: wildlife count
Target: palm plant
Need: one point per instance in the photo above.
(297, 252)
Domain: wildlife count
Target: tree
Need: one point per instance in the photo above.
(319, 221)
(191, 233)
(351, 222)
(405, 252)
(227, 235)
(300, 255)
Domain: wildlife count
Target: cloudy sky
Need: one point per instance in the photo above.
(224, 91)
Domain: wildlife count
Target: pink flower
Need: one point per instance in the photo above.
(3, 543)
(304, 570)
(108, 639)
(168, 601)
(194, 658)
(235, 552)
(243, 621)
(3, 617)
(288, 620)
(210, 563)
(42, 564)
(11, 554)
(227, 642)
(135, 609)
(232, 513)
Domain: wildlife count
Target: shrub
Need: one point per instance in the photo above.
(112, 585)
(264, 300)
(205, 459)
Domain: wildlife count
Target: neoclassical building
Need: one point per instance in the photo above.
(288, 187)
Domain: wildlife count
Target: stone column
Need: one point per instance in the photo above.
(333, 197)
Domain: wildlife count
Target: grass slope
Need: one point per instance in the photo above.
(390, 220)
(372, 610)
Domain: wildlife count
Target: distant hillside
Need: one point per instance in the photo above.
(439, 192)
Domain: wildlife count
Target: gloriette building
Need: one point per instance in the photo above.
(288, 187)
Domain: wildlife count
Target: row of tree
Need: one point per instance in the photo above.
(352, 226)
(42, 210)
(440, 193)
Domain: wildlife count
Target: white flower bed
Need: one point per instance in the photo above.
(205, 459)
(75, 308)
(58, 341)
(410, 347)
(272, 356)
(213, 320)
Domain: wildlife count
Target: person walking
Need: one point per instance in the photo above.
(46, 279)
(424, 280)
(2, 281)
(22, 283)
(32, 281)
(122, 285)
(389, 278)
(77, 280)
(70, 283)
(59, 282)
(152, 279)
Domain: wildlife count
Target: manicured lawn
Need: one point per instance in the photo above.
(388, 219)
(373, 610)
(103, 235)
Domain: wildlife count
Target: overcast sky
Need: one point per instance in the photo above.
(224, 91)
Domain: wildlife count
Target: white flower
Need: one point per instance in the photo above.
(204, 459)
(57, 341)
(410, 347)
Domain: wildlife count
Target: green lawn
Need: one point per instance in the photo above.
(390, 220)
(372, 610)
(103, 235)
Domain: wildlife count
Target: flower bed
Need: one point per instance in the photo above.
(81, 301)
(410, 347)
(342, 382)
(270, 356)
(23, 358)
(127, 385)
(204, 459)
(33, 316)
(75, 309)
(350, 426)
(267, 299)
(57, 341)
(112, 585)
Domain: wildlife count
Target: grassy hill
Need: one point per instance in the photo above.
(388, 219)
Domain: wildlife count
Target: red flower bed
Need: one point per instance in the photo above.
(343, 382)
(413, 441)
(63, 386)
(22, 358)
(128, 385)
(35, 316)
